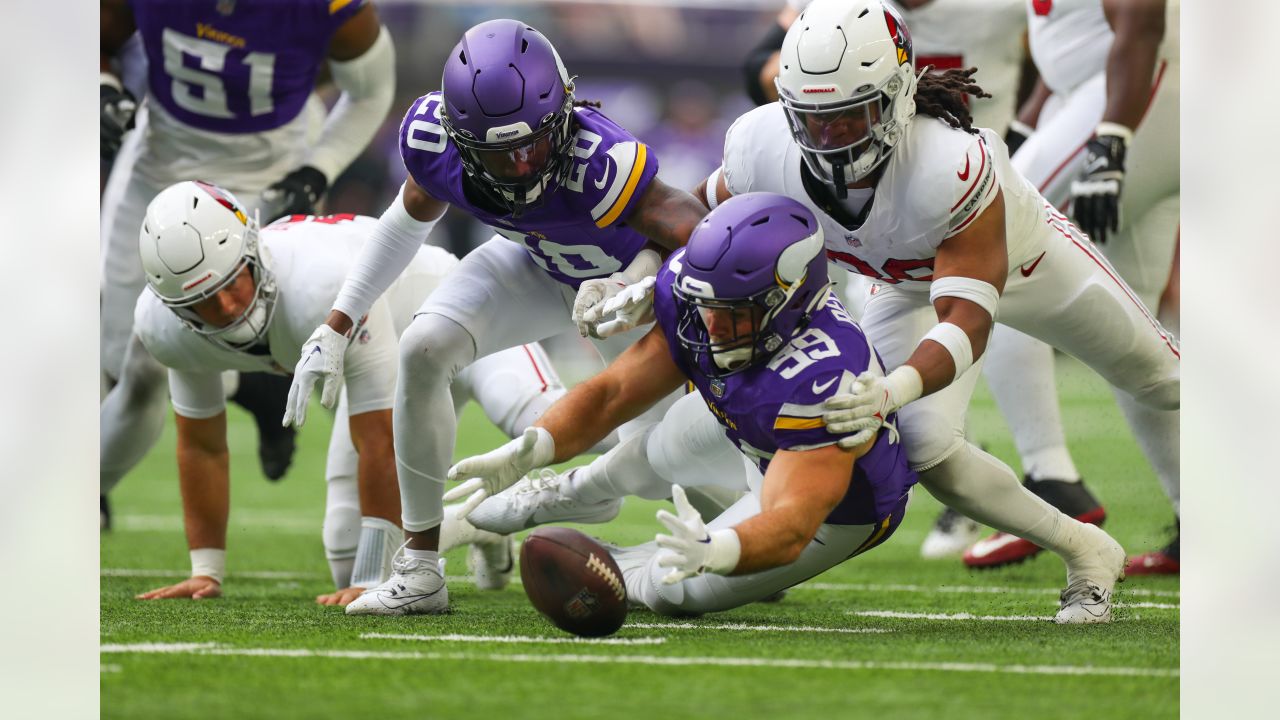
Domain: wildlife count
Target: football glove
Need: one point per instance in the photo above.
(497, 470)
(1017, 134)
(863, 410)
(690, 550)
(588, 306)
(118, 108)
(322, 357)
(631, 308)
(1095, 195)
(296, 193)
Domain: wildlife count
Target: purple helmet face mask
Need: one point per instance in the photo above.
(757, 260)
(508, 106)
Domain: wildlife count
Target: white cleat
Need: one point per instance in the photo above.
(951, 534)
(633, 561)
(1091, 580)
(416, 587)
(491, 563)
(537, 500)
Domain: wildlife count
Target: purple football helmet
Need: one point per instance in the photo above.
(508, 105)
(752, 275)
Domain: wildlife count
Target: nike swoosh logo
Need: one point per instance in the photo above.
(1096, 164)
(1026, 271)
(400, 601)
(707, 541)
(604, 179)
(819, 389)
(983, 548)
(964, 175)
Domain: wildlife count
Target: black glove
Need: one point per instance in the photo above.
(1095, 196)
(1016, 135)
(297, 193)
(118, 107)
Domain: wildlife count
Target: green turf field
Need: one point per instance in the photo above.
(884, 635)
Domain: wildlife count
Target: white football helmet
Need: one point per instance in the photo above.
(195, 240)
(847, 82)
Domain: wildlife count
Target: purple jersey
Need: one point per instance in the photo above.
(236, 67)
(578, 231)
(778, 405)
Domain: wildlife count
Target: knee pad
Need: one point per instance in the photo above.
(434, 346)
(341, 530)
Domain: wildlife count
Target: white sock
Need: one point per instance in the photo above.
(431, 555)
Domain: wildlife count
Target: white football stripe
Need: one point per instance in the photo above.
(946, 616)
(755, 628)
(982, 589)
(795, 663)
(516, 639)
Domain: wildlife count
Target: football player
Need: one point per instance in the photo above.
(226, 296)
(1105, 142)
(574, 200)
(229, 99)
(929, 208)
(745, 313)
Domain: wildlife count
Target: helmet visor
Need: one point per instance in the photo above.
(837, 130)
(521, 165)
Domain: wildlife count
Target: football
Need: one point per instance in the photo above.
(571, 579)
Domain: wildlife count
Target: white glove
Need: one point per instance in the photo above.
(588, 306)
(872, 398)
(497, 470)
(322, 356)
(690, 550)
(631, 307)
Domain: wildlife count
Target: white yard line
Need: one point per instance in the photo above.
(516, 639)
(946, 616)
(290, 524)
(794, 663)
(180, 573)
(106, 668)
(979, 589)
(755, 628)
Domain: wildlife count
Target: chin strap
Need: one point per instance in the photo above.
(841, 185)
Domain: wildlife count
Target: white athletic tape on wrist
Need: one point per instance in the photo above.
(210, 562)
(1114, 130)
(905, 385)
(106, 78)
(725, 551)
(956, 341)
(980, 292)
(646, 263)
(379, 539)
(713, 181)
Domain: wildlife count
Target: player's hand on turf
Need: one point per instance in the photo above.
(340, 598)
(322, 356)
(118, 108)
(588, 306)
(631, 308)
(200, 587)
(491, 473)
(861, 411)
(1095, 195)
(296, 193)
(687, 550)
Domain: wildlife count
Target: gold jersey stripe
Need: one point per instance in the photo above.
(785, 422)
(336, 5)
(637, 169)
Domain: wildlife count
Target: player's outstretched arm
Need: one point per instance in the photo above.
(666, 215)
(204, 476)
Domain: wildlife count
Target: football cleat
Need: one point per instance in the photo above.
(1160, 562)
(1082, 603)
(264, 395)
(951, 534)
(1091, 579)
(537, 500)
(491, 563)
(1001, 549)
(416, 587)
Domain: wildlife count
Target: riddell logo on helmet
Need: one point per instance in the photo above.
(809, 90)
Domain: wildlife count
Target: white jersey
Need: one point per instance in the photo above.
(1069, 41)
(986, 34)
(934, 184)
(310, 258)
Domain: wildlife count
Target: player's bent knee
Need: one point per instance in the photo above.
(434, 346)
(1164, 395)
(341, 531)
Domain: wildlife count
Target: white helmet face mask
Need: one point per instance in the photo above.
(847, 83)
(195, 242)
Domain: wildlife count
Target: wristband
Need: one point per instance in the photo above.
(106, 78)
(725, 550)
(210, 562)
(956, 341)
(544, 448)
(1021, 128)
(1114, 130)
(713, 180)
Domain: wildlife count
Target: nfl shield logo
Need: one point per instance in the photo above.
(717, 387)
(852, 240)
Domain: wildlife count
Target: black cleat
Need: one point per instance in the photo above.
(264, 396)
(104, 514)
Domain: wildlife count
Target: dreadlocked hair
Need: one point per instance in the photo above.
(587, 103)
(942, 95)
